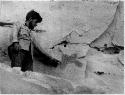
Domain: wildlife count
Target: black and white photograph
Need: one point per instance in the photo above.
(61, 47)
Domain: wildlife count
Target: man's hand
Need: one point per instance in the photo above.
(56, 61)
(17, 46)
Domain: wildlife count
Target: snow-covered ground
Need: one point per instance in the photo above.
(98, 78)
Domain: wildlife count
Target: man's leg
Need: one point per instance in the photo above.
(14, 56)
(27, 63)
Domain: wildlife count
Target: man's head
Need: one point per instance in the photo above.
(32, 18)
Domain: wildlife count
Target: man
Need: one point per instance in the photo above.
(20, 51)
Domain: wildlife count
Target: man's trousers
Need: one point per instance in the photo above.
(21, 58)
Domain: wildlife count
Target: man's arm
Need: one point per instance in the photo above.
(15, 36)
(15, 33)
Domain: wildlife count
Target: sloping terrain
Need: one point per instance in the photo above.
(102, 74)
(74, 34)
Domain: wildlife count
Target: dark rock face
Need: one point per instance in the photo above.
(113, 50)
(110, 50)
(5, 24)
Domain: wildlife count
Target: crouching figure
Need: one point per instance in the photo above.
(21, 50)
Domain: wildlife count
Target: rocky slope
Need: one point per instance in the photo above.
(67, 33)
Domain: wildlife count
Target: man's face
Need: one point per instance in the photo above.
(33, 23)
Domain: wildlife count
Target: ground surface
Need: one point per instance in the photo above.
(49, 80)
